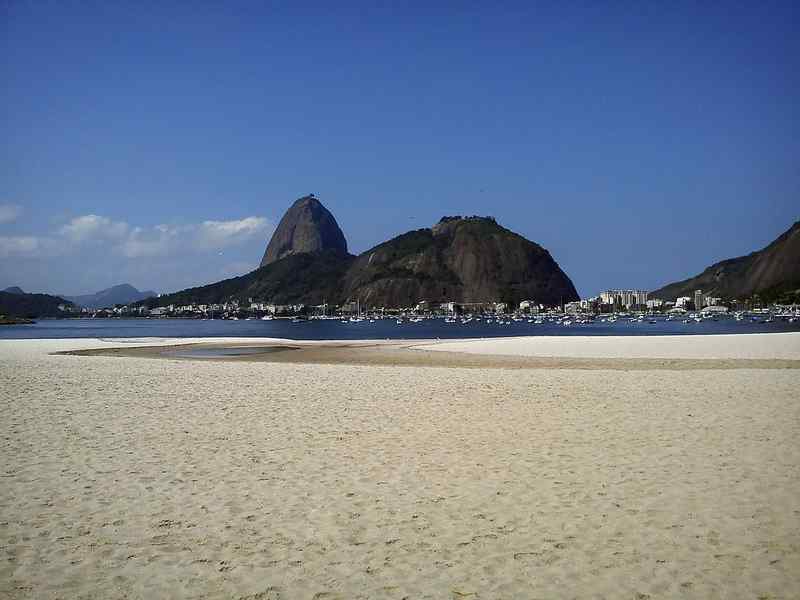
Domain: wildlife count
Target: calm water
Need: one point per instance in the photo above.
(380, 329)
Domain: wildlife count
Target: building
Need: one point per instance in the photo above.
(450, 308)
(624, 298)
(500, 308)
(591, 305)
(529, 306)
(682, 301)
(654, 303)
(699, 300)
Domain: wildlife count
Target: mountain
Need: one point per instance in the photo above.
(306, 227)
(305, 278)
(30, 305)
(14, 290)
(118, 294)
(460, 259)
(769, 272)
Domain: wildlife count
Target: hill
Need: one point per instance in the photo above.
(306, 278)
(31, 306)
(119, 294)
(465, 260)
(771, 272)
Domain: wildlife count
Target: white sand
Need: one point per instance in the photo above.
(143, 478)
(755, 345)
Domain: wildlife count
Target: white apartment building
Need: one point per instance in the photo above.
(626, 298)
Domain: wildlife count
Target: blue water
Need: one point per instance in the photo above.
(380, 329)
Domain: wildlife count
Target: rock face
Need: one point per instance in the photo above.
(306, 227)
(466, 260)
(774, 268)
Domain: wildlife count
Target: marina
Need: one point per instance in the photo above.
(410, 326)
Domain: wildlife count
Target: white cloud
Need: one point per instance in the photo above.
(219, 234)
(155, 241)
(160, 240)
(93, 227)
(20, 246)
(9, 213)
(104, 237)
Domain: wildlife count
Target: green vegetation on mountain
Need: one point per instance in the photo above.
(306, 278)
(464, 260)
(31, 306)
(772, 272)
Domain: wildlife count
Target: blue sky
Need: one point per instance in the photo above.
(158, 143)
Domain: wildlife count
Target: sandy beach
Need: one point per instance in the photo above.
(515, 468)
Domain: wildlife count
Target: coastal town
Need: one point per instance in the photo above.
(606, 307)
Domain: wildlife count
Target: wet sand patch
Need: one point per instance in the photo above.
(410, 354)
(225, 352)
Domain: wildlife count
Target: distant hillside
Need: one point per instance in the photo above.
(30, 306)
(14, 290)
(118, 294)
(770, 272)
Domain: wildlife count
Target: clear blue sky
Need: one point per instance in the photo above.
(638, 142)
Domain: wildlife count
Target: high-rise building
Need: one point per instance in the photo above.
(699, 300)
(624, 298)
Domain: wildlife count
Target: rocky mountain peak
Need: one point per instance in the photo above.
(449, 224)
(306, 227)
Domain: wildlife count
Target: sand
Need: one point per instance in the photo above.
(736, 346)
(129, 477)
